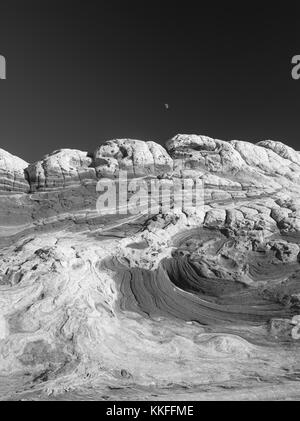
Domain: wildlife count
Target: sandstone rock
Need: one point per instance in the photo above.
(135, 156)
(201, 151)
(222, 183)
(284, 251)
(281, 328)
(61, 169)
(234, 217)
(12, 175)
(282, 150)
(266, 160)
(113, 300)
(215, 218)
(279, 214)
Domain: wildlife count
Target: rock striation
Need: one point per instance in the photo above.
(134, 156)
(12, 173)
(159, 302)
(60, 169)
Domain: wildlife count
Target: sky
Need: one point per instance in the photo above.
(83, 72)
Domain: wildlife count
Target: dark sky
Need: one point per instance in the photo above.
(82, 72)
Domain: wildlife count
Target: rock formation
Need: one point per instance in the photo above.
(186, 301)
(12, 173)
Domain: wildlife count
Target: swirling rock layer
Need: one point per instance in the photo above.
(99, 304)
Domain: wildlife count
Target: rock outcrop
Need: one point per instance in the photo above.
(61, 169)
(136, 157)
(169, 299)
(12, 173)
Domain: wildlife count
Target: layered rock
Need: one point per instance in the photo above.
(151, 302)
(243, 182)
(252, 164)
(136, 157)
(12, 173)
(268, 159)
(204, 152)
(282, 150)
(60, 169)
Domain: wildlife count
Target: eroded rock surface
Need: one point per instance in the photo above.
(12, 173)
(61, 169)
(166, 301)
